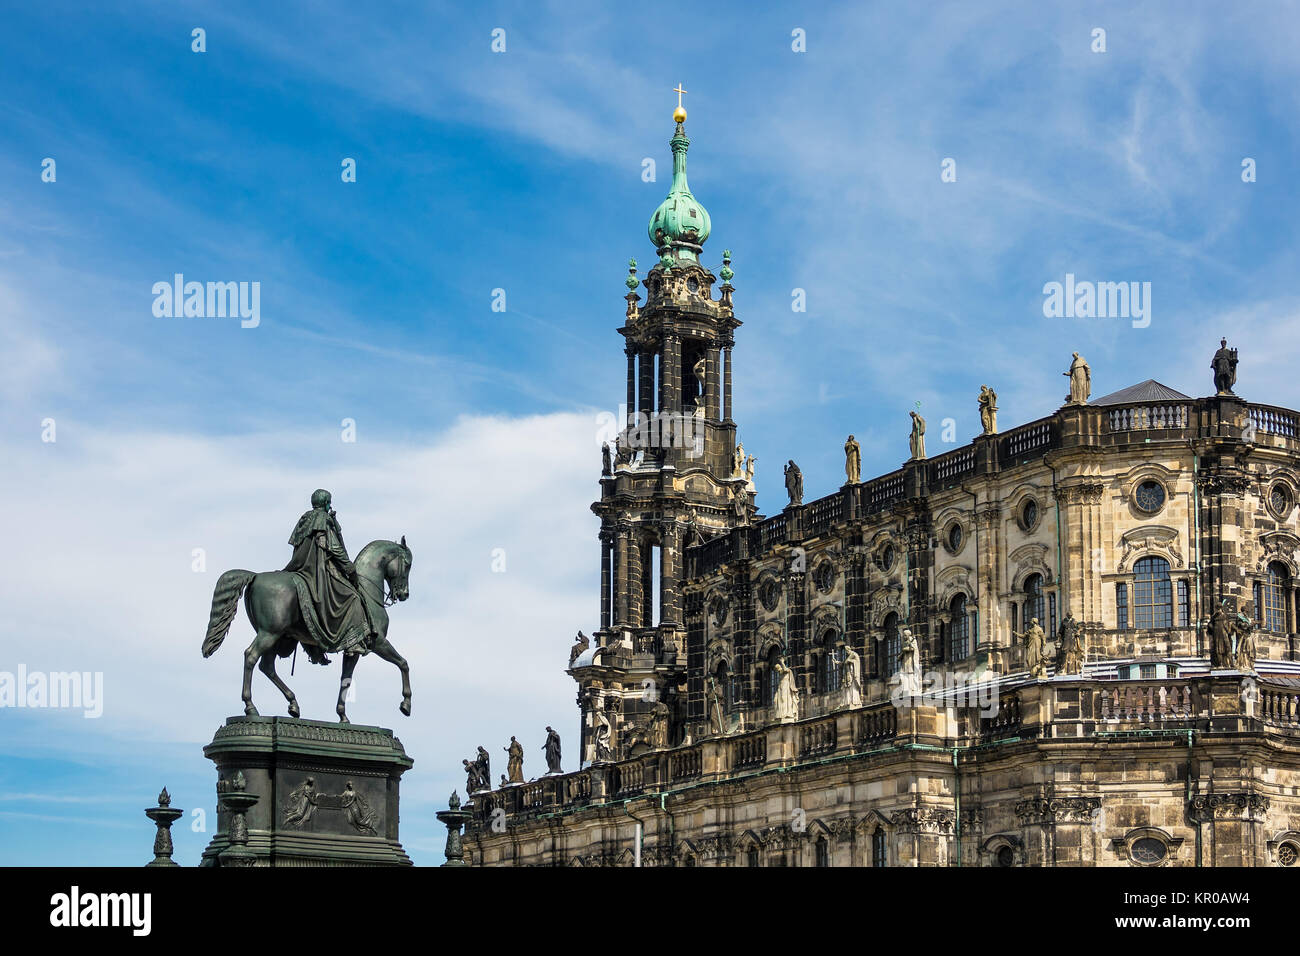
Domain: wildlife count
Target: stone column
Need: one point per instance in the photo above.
(1232, 827)
(922, 835)
(1059, 830)
(711, 389)
(631, 384)
(647, 583)
(670, 608)
(726, 386)
(646, 399)
(622, 579)
(606, 579)
(633, 583)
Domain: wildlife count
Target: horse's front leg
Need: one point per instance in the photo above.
(389, 653)
(267, 667)
(349, 665)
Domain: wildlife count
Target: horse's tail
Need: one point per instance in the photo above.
(225, 602)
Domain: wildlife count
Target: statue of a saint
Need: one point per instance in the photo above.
(659, 726)
(484, 764)
(606, 468)
(1224, 365)
(552, 748)
(698, 369)
(1035, 645)
(738, 461)
(580, 644)
(472, 783)
(785, 704)
(717, 720)
(1245, 634)
(321, 562)
(851, 677)
(909, 666)
(515, 760)
(1080, 376)
(794, 483)
(917, 439)
(853, 460)
(740, 505)
(749, 473)
(1069, 646)
(989, 410)
(603, 738)
(1221, 628)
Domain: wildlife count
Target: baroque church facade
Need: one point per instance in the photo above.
(1070, 643)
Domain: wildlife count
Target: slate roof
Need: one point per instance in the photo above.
(1141, 393)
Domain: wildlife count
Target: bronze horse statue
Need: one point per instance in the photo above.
(271, 600)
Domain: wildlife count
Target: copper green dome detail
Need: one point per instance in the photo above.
(631, 279)
(726, 273)
(680, 226)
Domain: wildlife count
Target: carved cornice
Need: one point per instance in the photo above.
(1234, 484)
(1209, 807)
(1040, 811)
(923, 820)
(1081, 493)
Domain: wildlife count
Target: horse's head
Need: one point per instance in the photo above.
(387, 563)
(397, 571)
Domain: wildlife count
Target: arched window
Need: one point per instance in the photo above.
(892, 646)
(769, 675)
(1033, 601)
(831, 661)
(1273, 605)
(823, 852)
(1153, 594)
(958, 629)
(879, 851)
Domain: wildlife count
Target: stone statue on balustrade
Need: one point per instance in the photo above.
(909, 669)
(552, 748)
(515, 761)
(853, 460)
(794, 483)
(1224, 365)
(916, 441)
(1035, 642)
(1080, 376)
(785, 703)
(1069, 646)
(988, 410)
(851, 678)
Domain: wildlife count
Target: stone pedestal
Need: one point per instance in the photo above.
(326, 793)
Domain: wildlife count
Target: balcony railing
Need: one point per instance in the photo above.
(1276, 421)
(1145, 417)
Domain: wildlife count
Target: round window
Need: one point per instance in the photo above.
(1006, 856)
(1279, 500)
(955, 538)
(770, 594)
(1287, 853)
(1148, 850)
(886, 559)
(1029, 514)
(825, 576)
(1150, 496)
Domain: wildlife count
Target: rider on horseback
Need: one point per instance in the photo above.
(321, 561)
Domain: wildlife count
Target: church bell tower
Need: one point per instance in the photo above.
(673, 478)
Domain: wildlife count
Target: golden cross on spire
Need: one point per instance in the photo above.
(679, 91)
(679, 114)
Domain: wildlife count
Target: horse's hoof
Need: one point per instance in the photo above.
(293, 708)
(251, 711)
(406, 708)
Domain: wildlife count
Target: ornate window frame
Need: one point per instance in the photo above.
(990, 850)
(1123, 845)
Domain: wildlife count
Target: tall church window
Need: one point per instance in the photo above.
(893, 646)
(1184, 604)
(831, 661)
(1152, 594)
(958, 629)
(879, 850)
(1034, 600)
(1121, 606)
(823, 852)
(1051, 614)
(1275, 587)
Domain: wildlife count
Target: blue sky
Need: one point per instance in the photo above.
(522, 171)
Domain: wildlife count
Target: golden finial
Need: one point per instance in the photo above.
(679, 114)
